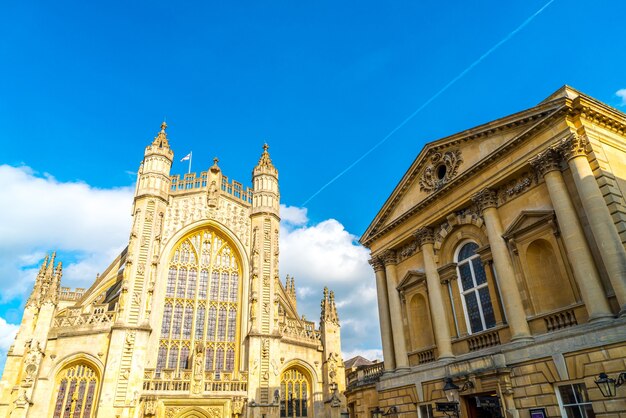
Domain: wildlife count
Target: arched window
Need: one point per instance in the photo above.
(474, 289)
(201, 303)
(294, 394)
(76, 392)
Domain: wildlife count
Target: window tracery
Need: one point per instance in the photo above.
(201, 303)
(294, 394)
(474, 289)
(76, 392)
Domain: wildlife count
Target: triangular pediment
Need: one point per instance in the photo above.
(411, 278)
(528, 220)
(443, 163)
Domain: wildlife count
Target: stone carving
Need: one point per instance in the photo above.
(439, 170)
(238, 406)
(377, 263)
(185, 210)
(516, 187)
(485, 199)
(389, 257)
(407, 250)
(573, 146)
(424, 236)
(546, 161)
(150, 406)
(22, 399)
(33, 359)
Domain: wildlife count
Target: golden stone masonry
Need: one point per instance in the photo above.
(501, 271)
(190, 320)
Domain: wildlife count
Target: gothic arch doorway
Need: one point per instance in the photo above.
(295, 393)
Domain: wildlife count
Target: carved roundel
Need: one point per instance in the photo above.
(440, 169)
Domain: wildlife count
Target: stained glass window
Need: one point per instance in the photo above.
(474, 289)
(200, 322)
(76, 392)
(167, 319)
(171, 282)
(294, 396)
(201, 303)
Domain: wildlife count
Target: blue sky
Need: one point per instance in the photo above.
(85, 86)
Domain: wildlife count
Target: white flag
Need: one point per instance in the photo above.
(186, 157)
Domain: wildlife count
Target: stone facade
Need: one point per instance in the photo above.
(500, 264)
(190, 320)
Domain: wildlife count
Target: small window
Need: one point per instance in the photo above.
(426, 411)
(574, 401)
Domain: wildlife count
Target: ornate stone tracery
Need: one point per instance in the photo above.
(441, 168)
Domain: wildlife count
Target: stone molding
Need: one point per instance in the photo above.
(486, 198)
(447, 273)
(424, 236)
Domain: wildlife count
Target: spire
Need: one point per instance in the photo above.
(35, 295)
(160, 140)
(265, 165)
(329, 310)
(55, 285)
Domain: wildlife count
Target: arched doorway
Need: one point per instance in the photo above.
(295, 389)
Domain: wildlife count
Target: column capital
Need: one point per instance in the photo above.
(546, 161)
(424, 236)
(573, 146)
(486, 198)
(389, 257)
(377, 263)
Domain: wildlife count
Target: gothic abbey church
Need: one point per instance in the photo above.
(190, 320)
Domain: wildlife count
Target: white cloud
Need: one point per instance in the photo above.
(7, 334)
(42, 214)
(373, 354)
(91, 225)
(325, 254)
(621, 93)
(293, 215)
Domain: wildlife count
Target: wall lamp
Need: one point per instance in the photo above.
(608, 386)
(451, 390)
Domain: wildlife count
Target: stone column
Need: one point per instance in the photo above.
(383, 314)
(486, 201)
(598, 215)
(425, 240)
(397, 324)
(580, 258)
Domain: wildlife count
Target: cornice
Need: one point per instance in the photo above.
(372, 233)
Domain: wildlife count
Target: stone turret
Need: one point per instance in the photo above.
(332, 368)
(130, 336)
(265, 184)
(153, 178)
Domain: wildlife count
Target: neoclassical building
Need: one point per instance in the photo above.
(190, 320)
(501, 269)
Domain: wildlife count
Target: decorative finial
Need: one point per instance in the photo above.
(216, 160)
(163, 127)
(265, 147)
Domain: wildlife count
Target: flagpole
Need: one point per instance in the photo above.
(190, 156)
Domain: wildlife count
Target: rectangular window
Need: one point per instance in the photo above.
(574, 401)
(426, 411)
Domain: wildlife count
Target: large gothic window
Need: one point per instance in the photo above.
(294, 394)
(77, 387)
(201, 303)
(474, 289)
